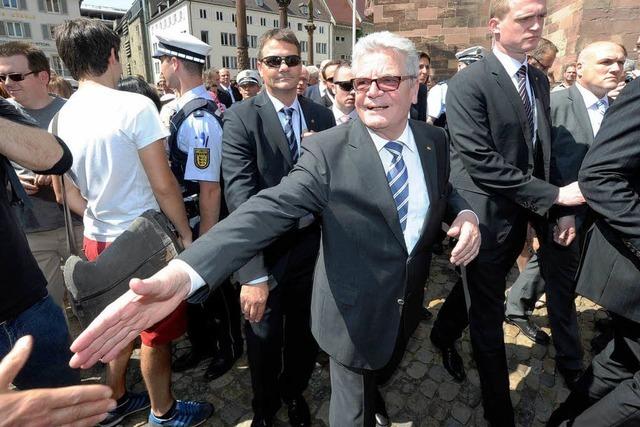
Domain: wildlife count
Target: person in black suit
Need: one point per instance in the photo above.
(227, 93)
(257, 151)
(375, 253)
(498, 115)
(608, 393)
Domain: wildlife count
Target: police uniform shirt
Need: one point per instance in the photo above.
(200, 136)
(436, 100)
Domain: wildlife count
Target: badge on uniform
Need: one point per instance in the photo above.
(201, 157)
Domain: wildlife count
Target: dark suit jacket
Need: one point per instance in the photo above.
(419, 109)
(365, 280)
(610, 181)
(313, 93)
(492, 164)
(255, 156)
(225, 98)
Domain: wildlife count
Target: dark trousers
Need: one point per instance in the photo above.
(281, 348)
(608, 394)
(214, 326)
(486, 281)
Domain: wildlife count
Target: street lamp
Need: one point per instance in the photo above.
(307, 9)
(282, 7)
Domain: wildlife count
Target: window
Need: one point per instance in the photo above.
(321, 48)
(340, 39)
(227, 39)
(321, 29)
(204, 36)
(219, 16)
(230, 62)
(303, 46)
(254, 63)
(276, 23)
(13, 4)
(289, 25)
(233, 17)
(232, 39)
(156, 66)
(299, 26)
(203, 13)
(48, 31)
(249, 20)
(18, 30)
(53, 6)
(263, 22)
(207, 63)
(252, 41)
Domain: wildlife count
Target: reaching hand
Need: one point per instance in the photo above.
(84, 405)
(253, 300)
(465, 229)
(570, 195)
(146, 303)
(29, 185)
(565, 230)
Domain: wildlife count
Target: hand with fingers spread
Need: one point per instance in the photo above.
(78, 406)
(253, 300)
(146, 303)
(465, 229)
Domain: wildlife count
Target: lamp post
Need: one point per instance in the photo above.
(282, 7)
(241, 30)
(307, 9)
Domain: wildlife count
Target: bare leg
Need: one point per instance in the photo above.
(116, 372)
(156, 371)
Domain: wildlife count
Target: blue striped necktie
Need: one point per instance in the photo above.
(288, 132)
(601, 106)
(398, 179)
(526, 102)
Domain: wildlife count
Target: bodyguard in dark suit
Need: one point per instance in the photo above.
(225, 87)
(260, 146)
(610, 270)
(380, 188)
(498, 116)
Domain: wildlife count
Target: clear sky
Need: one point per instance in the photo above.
(120, 4)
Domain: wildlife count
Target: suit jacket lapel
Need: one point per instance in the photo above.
(272, 126)
(309, 117)
(580, 111)
(372, 175)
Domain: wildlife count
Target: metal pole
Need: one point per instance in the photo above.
(282, 6)
(241, 31)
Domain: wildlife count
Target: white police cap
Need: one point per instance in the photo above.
(181, 45)
(471, 54)
(248, 76)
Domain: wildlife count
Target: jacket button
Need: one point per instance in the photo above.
(400, 301)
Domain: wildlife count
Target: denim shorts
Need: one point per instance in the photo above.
(48, 364)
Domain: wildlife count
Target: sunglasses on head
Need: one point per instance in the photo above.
(384, 83)
(276, 61)
(345, 86)
(16, 77)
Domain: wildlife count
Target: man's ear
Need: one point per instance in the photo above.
(494, 26)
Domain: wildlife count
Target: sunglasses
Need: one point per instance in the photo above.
(345, 86)
(385, 83)
(16, 77)
(542, 66)
(276, 61)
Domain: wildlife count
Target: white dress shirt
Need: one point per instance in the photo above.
(338, 114)
(229, 91)
(512, 66)
(297, 119)
(590, 102)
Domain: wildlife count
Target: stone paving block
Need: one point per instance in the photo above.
(461, 412)
(448, 391)
(417, 370)
(428, 388)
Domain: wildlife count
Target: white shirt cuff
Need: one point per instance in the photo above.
(474, 214)
(258, 280)
(196, 280)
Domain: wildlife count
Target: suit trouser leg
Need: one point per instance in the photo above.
(201, 326)
(452, 318)
(560, 265)
(610, 385)
(526, 290)
(225, 312)
(353, 393)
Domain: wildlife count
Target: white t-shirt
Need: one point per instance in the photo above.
(104, 129)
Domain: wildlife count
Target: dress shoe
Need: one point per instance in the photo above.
(220, 365)
(298, 410)
(382, 417)
(260, 421)
(188, 360)
(425, 314)
(570, 376)
(530, 330)
(451, 361)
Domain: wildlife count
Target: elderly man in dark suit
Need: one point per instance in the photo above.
(608, 393)
(498, 115)
(380, 188)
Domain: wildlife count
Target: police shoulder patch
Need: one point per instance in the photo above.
(201, 158)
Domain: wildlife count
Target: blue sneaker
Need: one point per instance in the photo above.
(188, 414)
(136, 402)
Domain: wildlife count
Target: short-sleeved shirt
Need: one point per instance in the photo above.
(200, 136)
(104, 129)
(436, 104)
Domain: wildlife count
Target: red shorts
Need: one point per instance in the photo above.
(168, 329)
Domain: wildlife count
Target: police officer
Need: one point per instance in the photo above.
(195, 151)
(436, 108)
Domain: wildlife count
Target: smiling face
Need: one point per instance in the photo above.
(385, 113)
(282, 79)
(29, 91)
(520, 29)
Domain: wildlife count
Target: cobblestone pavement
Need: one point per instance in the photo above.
(421, 393)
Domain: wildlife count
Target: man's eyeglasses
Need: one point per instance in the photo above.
(16, 77)
(385, 83)
(276, 61)
(345, 86)
(542, 66)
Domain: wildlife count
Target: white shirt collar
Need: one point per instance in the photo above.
(510, 64)
(590, 99)
(337, 113)
(406, 139)
(279, 105)
(196, 92)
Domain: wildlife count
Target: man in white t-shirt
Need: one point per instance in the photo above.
(121, 170)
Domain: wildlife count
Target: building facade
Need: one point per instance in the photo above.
(214, 22)
(134, 47)
(342, 18)
(33, 21)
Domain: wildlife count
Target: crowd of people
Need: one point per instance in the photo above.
(309, 202)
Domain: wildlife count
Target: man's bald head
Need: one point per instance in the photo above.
(600, 67)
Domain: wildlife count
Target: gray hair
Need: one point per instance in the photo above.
(385, 40)
(313, 71)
